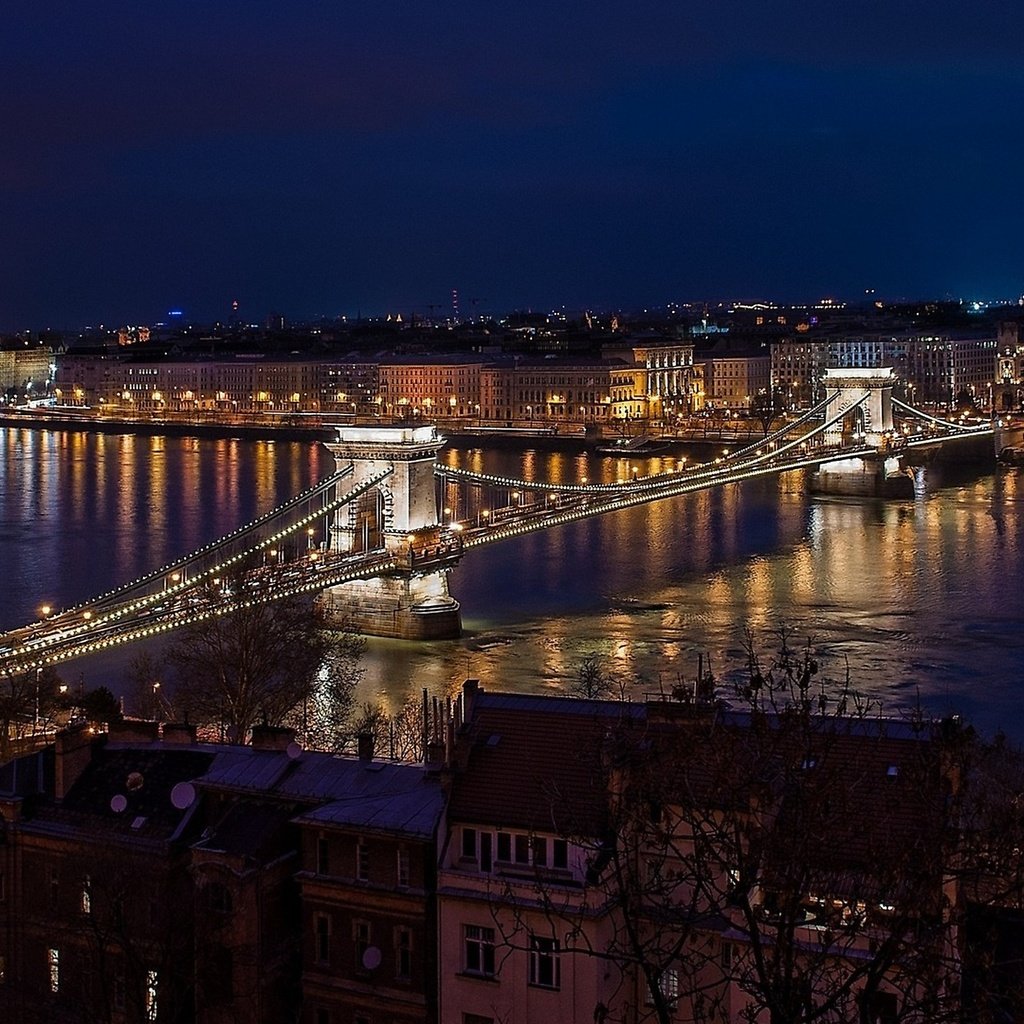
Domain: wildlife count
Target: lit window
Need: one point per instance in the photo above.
(53, 959)
(152, 981)
(86, 900)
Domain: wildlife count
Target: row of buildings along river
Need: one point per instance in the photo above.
(654, 378)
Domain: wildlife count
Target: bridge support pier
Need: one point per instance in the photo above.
(402, 607)
(396, 515)
(871, 477)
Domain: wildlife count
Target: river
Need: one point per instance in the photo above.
(918, 600)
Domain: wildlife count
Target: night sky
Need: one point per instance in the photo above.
(364, 157)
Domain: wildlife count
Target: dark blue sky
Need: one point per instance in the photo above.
(326, 157)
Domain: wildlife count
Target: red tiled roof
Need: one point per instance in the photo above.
(534, 763)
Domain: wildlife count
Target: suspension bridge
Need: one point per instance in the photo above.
(375, 541)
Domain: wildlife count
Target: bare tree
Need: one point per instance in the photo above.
(30, 706)
(257, 661)
(590, 683)
(792, 860)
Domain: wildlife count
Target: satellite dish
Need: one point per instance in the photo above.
(371, 958)
(183, 795)
(293, 750)
(119, 803)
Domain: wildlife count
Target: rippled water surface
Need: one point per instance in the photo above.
(918, 598)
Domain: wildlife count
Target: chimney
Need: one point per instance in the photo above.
(179, 733)
(72, 754)
(364, 743)
(133, 730)
(272, 737)
(470, 688)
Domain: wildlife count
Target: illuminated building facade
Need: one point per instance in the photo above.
(245, 384)
(1009, 383)
(732, 380)
(438, 387)
(673, 383)
(26, 370)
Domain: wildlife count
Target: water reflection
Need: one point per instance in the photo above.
(916, 596)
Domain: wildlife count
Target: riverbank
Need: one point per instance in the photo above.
(250, 431)
(460, 435)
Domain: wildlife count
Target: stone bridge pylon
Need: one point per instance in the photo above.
(865, 394)
(860, 402)
(395, 515)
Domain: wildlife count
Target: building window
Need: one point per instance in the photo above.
(323, 1015)
(545, 964)
(504, 846)
(323, 859)
(53, 961)
(85, 904)
(362, 861)
(560, 854)
(668, 983)
(403, 867)
(361, 938)
(479, 950)
(522, 849)
(322, 926)
(403, 953)
(152, 984)
(469, 843)
(219, 898)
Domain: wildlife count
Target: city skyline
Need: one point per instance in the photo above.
(329, 162)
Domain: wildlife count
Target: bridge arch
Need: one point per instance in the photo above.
(864, 396)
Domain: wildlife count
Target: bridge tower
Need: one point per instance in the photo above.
(397, 515)
(864, 394)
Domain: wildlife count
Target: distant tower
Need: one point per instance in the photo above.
(455, 303)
